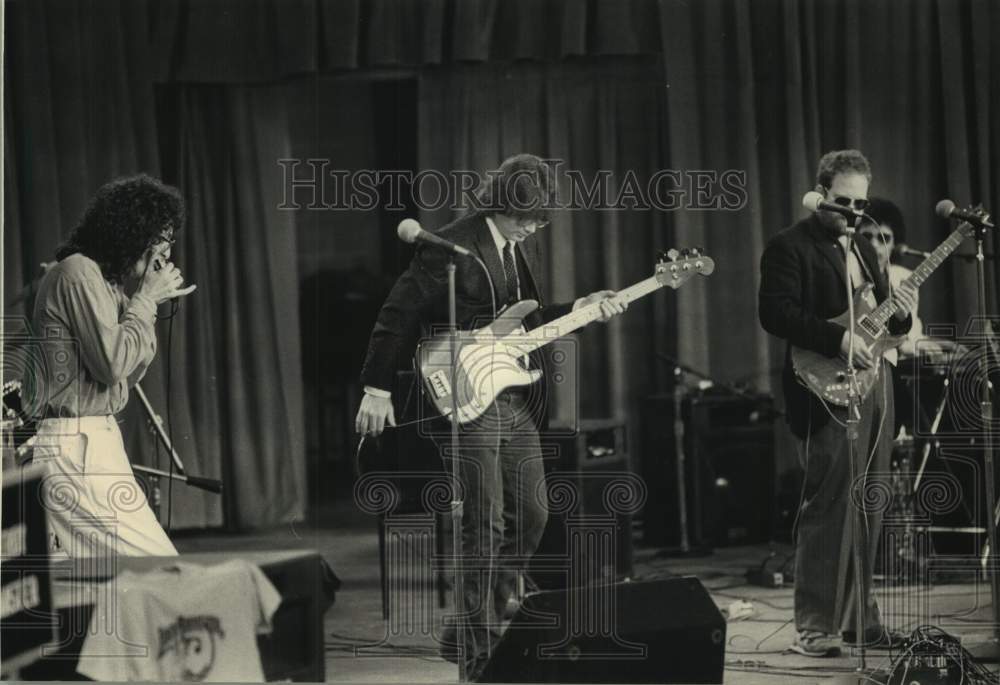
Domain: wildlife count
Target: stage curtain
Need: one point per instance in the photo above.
(250, 41)
(906, 82)
(591, 116)
(768, 87)
(81, 109)
(237, 361)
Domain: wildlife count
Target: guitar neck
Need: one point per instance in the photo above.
(885, 310)
(579, 318)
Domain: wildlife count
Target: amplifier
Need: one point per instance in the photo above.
(729, 469)
(27, 621)
(592, 497)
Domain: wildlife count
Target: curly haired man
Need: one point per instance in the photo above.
(99, 343)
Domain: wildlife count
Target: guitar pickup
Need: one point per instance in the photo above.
(438, 384)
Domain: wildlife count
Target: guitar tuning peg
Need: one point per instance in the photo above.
(697, 251)
(672, 254)
(662, 256)
(685, 253)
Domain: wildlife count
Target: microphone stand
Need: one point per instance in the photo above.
(853, 418)
(851, 426)
(457, 504)
(157, 425)
(680, 390)
(684, 549)
(732, 389)
(988, 651)
(207, 484)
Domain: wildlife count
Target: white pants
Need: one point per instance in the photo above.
(95, 506)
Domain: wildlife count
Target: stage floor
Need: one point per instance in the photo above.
(361, 647)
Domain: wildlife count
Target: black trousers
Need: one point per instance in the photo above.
(505, 508)
(824, 571)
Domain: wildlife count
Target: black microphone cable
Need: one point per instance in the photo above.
(174, 308)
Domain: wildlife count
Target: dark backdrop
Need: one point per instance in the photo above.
(192, 91)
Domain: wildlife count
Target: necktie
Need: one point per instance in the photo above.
(510, 272)
(853, 266)
(510, 275)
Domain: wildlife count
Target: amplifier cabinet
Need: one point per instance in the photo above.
(729, 470)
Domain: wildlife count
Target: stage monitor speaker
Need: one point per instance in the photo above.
(658, 631)
(729, 460)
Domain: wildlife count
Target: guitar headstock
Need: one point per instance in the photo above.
(675, 267)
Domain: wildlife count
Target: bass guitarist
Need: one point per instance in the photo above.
(500, 461)
(803, 272)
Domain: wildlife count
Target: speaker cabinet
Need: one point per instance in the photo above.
(593, 495)
(29, 622)
(659, 631)
(729, 470)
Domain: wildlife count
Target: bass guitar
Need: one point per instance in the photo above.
(490, 358)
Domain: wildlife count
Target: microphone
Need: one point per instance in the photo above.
(904, 250)
(814, 202)
(409, 231)
(946, 209)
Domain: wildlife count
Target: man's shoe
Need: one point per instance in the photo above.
(510, 609)
(816, 644)
(877, 638)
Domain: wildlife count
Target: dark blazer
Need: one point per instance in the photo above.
(418, 301)
(802, 284)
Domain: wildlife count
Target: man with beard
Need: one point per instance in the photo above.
(803, 272)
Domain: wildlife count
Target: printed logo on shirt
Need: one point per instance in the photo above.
(190, 643)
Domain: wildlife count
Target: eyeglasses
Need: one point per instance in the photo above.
(538, 223)
(858, 205)
(168, 239)
(882, 236)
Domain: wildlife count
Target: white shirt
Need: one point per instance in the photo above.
(181, 622)
(502, 244)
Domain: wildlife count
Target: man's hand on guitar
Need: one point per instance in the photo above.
(906, 296)
(374, 414)
(863, 358)
(611, 305)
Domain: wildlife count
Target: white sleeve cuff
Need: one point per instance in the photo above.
(377, 392)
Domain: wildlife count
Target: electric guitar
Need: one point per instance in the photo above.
(826, 376)
(489, 359)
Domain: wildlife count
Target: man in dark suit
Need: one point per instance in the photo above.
(500, 465)
(803, 284)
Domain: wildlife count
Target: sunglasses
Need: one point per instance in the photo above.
(859, 205)
(882, 236)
